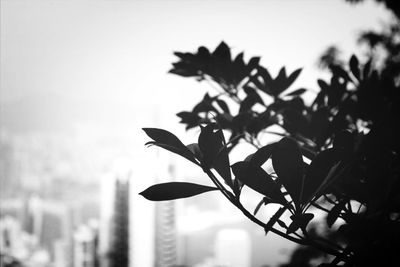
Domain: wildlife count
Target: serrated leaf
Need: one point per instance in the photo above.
(174, 190)
(288, 165)
(354, 67)
(169, 141)
(258, 180)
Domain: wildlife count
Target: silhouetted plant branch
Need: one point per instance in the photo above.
(347, 134)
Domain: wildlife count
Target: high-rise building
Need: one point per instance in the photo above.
(114, 238)
(85, 247)
(165, 229)
(151, 232)
(119, 252)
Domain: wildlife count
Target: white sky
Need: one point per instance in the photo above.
(114, 55)
(120, 51)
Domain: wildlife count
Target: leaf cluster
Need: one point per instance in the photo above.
(339, 154)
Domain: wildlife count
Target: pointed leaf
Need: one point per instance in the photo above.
(195, 149)
(337, 70)
(323, 85)
(222, 52)
(299, 221)
(334, 213)
(262, 202)
(367, 69)
(215, 154)
(258, 180)
(169, 141)
(317, 173)
(297, 92)
(174, 190)
(253, 63)
(262, 155)
(279, 82)
(292, 77)
(288, 165)
(354, 67)
(222, 104)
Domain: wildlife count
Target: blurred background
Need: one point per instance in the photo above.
(80, 78)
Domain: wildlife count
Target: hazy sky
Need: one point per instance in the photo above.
(114, 55)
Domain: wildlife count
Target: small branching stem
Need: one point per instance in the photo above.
(301, 241)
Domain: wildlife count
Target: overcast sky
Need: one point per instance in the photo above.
(114, 55)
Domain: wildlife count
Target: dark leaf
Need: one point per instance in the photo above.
(323, 85)
(367, 69)
(292, 77)
(297, 92)
(223, 105)
(253, 63)
(195, 149)
(339, 71)
(168, 141)
(258, 180)
(299, 221)
(174, 190)
(279, 83)
(262, 155)
(294, 121)
(282, 224)
(215, 153)
(222, 52)
(288, 165)
(354, 67)
(334, 213)
(317, 173)
(189, 118)
(247, 104)
(262, 202)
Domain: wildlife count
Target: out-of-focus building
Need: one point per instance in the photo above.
(152, 226)
(85, 246)
(165, 228)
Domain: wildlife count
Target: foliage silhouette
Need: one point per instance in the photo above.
(338, 155)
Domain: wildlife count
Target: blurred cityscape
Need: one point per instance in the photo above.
(78, 81)
(69, 198)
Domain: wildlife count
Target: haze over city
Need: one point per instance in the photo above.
(79, 79)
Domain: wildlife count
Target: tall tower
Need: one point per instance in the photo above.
(119, 253)
(85, 247)
(165, 228)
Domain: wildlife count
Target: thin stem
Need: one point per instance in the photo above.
(235, 201)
